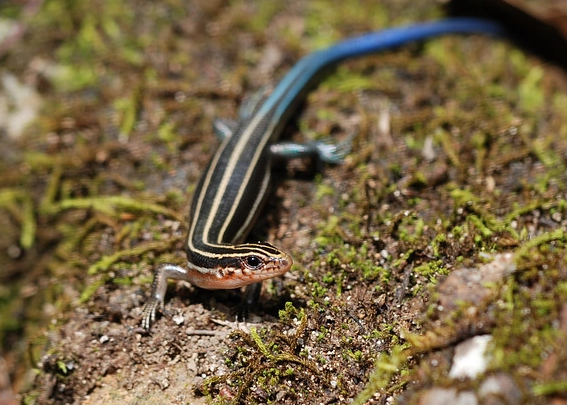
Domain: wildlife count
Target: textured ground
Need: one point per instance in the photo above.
(430, 266)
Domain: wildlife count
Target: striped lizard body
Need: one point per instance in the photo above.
(235, 183)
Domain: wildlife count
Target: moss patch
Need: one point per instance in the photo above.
(458, 156)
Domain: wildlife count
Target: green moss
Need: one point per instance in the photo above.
(290, 313)
(109, 205)
(346, 81)
(324, 190)
(386, 367)
(127, 107)
(356, 356)
(431, 270)
(530, 92)
(550, 388)
(20, 206)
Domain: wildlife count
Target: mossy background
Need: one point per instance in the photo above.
(460, 153)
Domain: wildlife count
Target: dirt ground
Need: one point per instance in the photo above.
(430, 266)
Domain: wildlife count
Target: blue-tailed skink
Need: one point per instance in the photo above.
(234, 186)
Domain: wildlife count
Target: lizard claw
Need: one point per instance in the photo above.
(149, 313)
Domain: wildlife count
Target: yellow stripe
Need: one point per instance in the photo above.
(256, 206)
(228, 171)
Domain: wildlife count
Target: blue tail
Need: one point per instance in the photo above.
(306, 71)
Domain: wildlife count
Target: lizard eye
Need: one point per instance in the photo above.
(253, 262)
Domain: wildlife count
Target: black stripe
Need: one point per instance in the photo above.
(249, 190)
